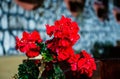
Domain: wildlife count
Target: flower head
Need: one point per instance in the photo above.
(65, 34)
(82, 63)
(27, 43)
(65, 30)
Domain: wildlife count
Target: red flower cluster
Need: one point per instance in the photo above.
(65, 30)
(82, 63)
(27, 43)
(65, 34)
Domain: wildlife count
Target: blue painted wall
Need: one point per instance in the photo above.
(14, 20)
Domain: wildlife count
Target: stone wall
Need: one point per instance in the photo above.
(14, 20)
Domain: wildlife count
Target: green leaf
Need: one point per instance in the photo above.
(45, 53)
(59, 74)
(47, 57)
(28, 70)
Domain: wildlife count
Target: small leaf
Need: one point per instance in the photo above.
(47, 57)
(44, 52)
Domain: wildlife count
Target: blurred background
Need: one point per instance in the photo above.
(99, 22)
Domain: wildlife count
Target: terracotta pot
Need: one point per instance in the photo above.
(101, 9)
(75, 6)
(116, 13)
(29, 4)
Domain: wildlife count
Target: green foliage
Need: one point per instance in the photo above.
(55, 73)
(45, 53)
(28, 70)
(58, 73)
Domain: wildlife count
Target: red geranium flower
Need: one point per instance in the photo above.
(65, 30)
(65, 34)
(27, 43)
(86, 65)
(58, 50)
(82, 63)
